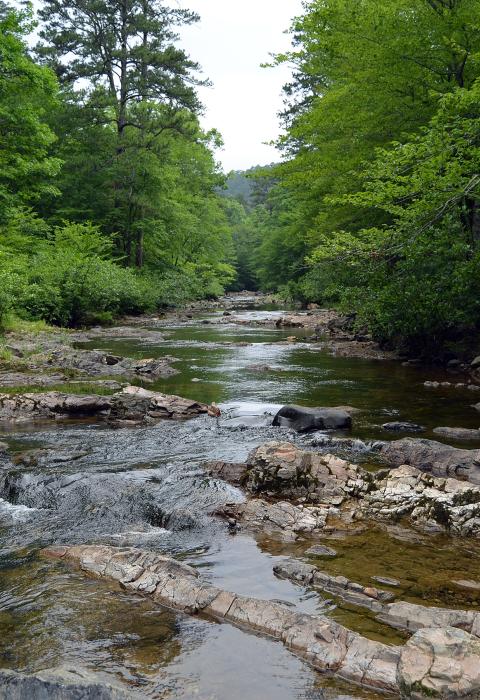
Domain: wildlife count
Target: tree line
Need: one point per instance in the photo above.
(109, 188)
(375, 206)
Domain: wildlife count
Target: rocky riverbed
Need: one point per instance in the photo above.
(231, 466)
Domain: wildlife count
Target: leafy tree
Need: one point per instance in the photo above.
(139, 84)
(27, 168)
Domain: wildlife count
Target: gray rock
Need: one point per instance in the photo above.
(349, 591)
(325, 644)
(458, 433)
(137, 405)
(320, 550)
(385, 581)
(475, 362)
(58, 684)
(434, 457)
(305, 420)
(233, 472)
(440, 663)
(282, 470)
(399, 426)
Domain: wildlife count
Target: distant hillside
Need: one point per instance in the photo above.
(243, 188)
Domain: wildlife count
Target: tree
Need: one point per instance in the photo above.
(26, 91)
(139, 85)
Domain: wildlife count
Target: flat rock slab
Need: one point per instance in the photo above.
(320, 550)
(305, 420)
(458, 433)
(434, 457)
(132, 405)
(445, 660)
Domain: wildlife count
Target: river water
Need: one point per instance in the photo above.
(145, 487)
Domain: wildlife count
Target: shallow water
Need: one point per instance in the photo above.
(146, 487)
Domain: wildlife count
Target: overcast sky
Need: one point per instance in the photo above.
(230, 42)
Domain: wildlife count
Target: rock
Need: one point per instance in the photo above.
(233, 472)
(59, 684)
(434, 457)
(324, 643)
(386, 581)
(458, 433)
(433, 503)
(440, 663)
(282, 518)
(470, 585)
(412, 617)
(320, 550)
(259, 368)
(477, 406)
(282, 470)
(475, 362)
(305, 420)
(399, 426)
(353, 593)
(227, 313)
(54, 404)
(135, 404)
(454, 364)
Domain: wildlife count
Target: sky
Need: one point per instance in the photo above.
(230, 42)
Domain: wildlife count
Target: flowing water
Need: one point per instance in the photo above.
(85, 482)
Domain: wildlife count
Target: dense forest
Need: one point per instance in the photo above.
(375, 205)
(108, 185)
(112, 200)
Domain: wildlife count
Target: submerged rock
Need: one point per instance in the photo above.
(305, 420)
(434, 457)
(406, 427)
(458, 433)
(320, 550)
(58, 684)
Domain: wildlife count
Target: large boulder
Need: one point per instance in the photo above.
(282, 470)
(440, 663)
(434, 457)
(305, 420)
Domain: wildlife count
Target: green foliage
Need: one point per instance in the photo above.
(117, 144)
(376, 205)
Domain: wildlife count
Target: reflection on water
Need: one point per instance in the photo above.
(146, 487)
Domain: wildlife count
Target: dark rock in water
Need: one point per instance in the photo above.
(407, 427)
(53, 404)
(259, 368)
(458, 433)
(58, 684)
(305, 420)
(320, 550)
(434, 457)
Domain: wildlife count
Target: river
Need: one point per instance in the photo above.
(146, 487)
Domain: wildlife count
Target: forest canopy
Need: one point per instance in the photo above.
(375, 206)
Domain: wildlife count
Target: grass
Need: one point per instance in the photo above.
(11, 323)
(81, 389)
